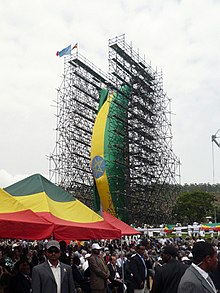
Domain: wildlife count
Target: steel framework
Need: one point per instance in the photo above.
(150, 168)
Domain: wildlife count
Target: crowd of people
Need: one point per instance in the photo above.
(156, 265)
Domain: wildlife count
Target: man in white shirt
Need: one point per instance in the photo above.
(196, 278)
(52, 276)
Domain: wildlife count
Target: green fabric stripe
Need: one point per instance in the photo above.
(114, 150)
(102, 98)
(36, 184)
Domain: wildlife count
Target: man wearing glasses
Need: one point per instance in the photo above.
(52, 276)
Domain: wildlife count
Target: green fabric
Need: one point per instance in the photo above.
(96, 198)
(36, 184)
(169, 227)
(103, 97)
(114, 150)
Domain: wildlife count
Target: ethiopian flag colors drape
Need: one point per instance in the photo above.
(70, 218)
(108, 148)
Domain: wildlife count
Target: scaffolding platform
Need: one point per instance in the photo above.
(150, 168)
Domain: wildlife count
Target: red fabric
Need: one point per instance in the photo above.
(24, 225)
(115, 222)
(81, 231)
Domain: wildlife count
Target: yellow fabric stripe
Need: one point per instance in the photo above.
(9, 204)
(97, 149)
(74, 211)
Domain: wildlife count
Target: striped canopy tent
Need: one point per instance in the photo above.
(126, 230)
(71, 218)
(16, 221)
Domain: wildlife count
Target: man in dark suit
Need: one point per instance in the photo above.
(137, 271)
(52, 276)
(196, 278)
(99, 272)
(79, 279)
(21, 282)
(115, 277)
(216, 275)
(168, 276)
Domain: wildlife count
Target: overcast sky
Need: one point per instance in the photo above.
(180, 37)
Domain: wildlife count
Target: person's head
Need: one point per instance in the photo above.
(24, 267)
(205, 256)
(17, 250)
(21, 266)
(63, 245)
(96, 248)
(113, 260)
(41, 259)
(168, 252)
(83, 252)
(53, 251)
(76, 260)
(145, 243)
(140, 249)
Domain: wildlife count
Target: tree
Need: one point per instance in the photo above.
(193, 206)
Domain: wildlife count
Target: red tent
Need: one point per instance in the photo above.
(115, 222)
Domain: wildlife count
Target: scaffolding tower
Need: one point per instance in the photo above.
(150, 168)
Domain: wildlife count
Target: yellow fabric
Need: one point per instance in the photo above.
(97, 149)
(74, 211)
(8, 204)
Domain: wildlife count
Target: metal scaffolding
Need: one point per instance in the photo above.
(150, 167)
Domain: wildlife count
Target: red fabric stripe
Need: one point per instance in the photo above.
(81, 231)
(24, 225)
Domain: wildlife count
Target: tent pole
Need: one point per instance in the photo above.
(122, 267)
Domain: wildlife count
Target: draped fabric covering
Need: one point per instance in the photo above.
(109, 152)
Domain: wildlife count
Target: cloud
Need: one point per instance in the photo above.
(181, 37)
(7, 179)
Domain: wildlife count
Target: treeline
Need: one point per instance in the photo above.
(205, 187)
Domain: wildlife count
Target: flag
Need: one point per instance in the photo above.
(169, 228)
(75, 46)
(65, 51)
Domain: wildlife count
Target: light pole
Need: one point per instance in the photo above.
(214, 140)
